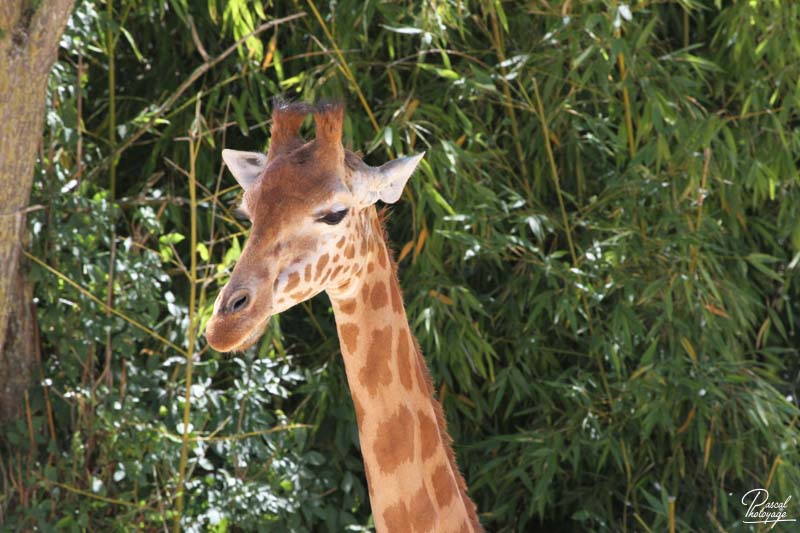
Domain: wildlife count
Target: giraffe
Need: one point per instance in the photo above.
(315, 227)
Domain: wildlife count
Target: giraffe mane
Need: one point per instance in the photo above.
(441, 421)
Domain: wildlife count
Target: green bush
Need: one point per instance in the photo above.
(599, 257)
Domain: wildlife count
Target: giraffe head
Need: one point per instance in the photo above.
(306, 202)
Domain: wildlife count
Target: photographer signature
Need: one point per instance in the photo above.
(762, 511)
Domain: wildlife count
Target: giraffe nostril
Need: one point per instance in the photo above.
(239, 303)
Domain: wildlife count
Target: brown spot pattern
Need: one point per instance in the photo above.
(349, 335)
(340, 243)
(396, 517)
(294, 279)
(376, 371)
(336, 271)
(443, 486)
(421, 382)
(301, 295)
(379, 296)
(394, 441)
(382, 257)
(365, 292)
(370, 267)
(423, 515)
(325, 277)
(369, 482)
(321, 265)
(359, 414)
(348, 307)
(404, 359)
(307, 275)
(350, 251)
(428, 433)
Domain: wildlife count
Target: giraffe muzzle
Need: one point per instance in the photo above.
(239, 318)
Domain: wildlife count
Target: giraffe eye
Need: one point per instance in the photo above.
(333, 218)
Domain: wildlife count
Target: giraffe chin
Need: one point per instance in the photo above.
(256, 334)
(217, 339)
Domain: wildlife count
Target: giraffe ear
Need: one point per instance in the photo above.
(385, 182)
(246, 167)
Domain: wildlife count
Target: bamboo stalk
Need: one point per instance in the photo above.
(204, 282)
(567, 229)
(22, 491)
(49, 409)
(554, 172)
(628, 487)
(343, 66)
(111, 44)
(29, 422)
(772, 471)
(79, 105)
(700, 199)
(497, 42)
(685, 28)
(107, 373)
(626, 101)
(671, 504)
(112, 109)
(194, 147)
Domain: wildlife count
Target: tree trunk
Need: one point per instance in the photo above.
(29, 35)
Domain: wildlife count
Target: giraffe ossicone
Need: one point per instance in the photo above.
(315, 228)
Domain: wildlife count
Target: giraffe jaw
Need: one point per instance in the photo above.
(253, 337)
(223, 340)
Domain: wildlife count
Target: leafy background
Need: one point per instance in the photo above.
(599, 256)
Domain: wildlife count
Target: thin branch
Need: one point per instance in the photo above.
(102, 304)
(345, 68)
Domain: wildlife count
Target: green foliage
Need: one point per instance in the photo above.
(599, 255)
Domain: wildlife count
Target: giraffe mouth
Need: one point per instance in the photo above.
(253, 337)
(226, 335)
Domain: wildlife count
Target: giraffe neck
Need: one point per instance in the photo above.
(414, 484)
